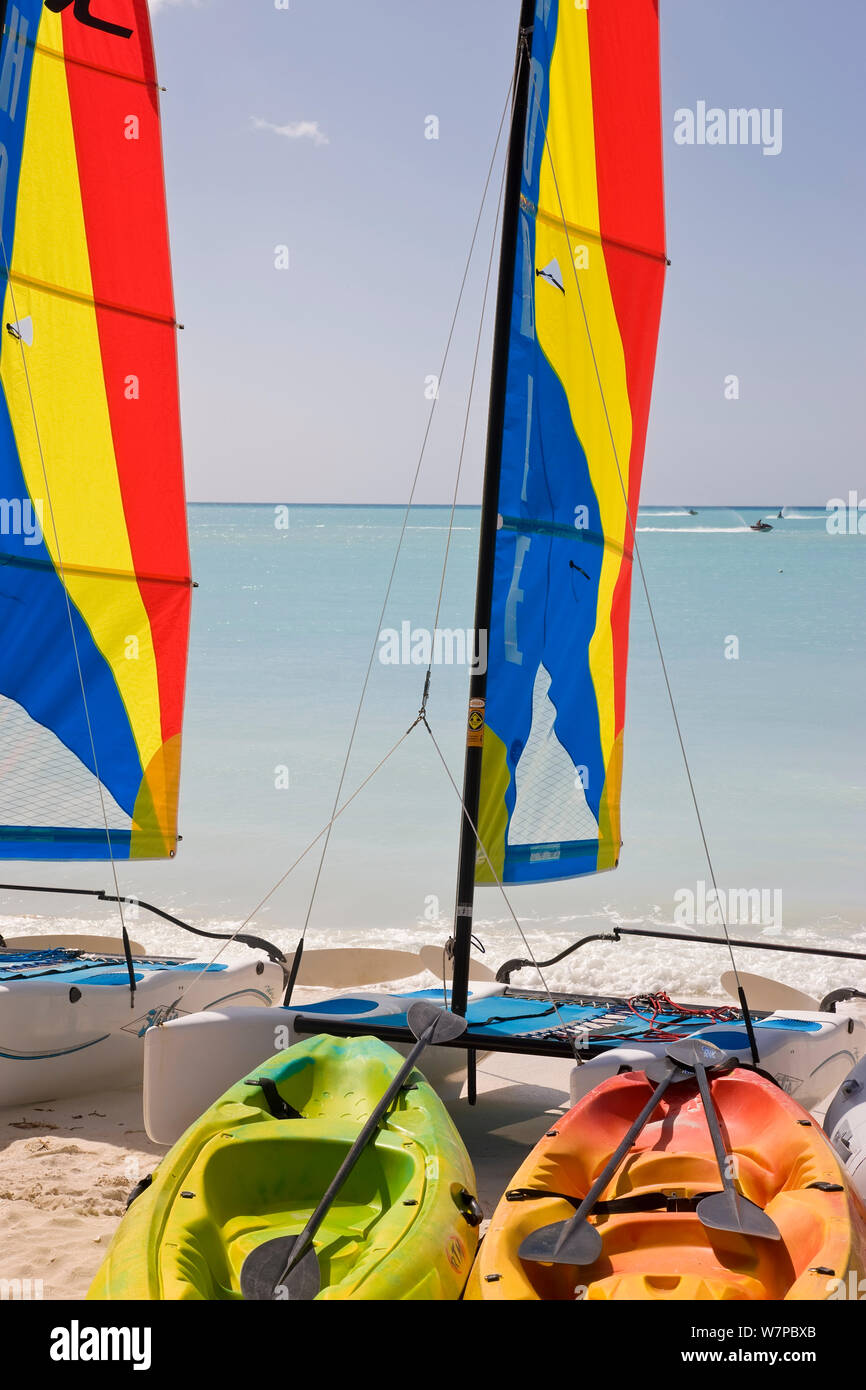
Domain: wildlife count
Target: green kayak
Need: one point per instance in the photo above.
(254, 1166)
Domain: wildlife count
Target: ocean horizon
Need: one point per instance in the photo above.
(762, 637)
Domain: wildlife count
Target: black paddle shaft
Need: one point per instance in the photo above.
(430, 1025)
(575, 1241)
(620, 1152)
(728, 1210)
(715, 1130)
(305, 1239)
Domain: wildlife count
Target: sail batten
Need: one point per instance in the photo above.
(30, 282)
(95, 588)
(585, 290)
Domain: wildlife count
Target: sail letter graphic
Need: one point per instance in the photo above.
(94, 561)
(587, 294)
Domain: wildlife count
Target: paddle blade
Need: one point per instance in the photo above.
(728, 1211)
(263, 1278)
(562, 1243)
(433, 1024)
(692, 1052)
(764, 993)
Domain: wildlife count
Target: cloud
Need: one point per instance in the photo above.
(295, 130)
(157, 5)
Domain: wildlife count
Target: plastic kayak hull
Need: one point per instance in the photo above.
(808, 1053)
(401, 1228)
(779, 1159)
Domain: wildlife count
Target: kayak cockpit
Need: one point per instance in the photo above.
(654, 1243)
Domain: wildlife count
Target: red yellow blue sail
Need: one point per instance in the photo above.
(587, 291)
(94, 559)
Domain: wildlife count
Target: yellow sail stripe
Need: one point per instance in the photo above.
(568, 186)
(73, 418)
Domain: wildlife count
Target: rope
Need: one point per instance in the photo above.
(76, 653)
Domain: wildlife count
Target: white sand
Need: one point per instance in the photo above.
(66, 1167)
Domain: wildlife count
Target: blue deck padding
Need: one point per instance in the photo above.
(60, 965)
(187, 965)
(479, 1010)
(113, 978)
(337, 1007)
(795, 1025)
(525, 1017)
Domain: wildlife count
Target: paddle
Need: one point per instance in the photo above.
(575, 1242)
(766, 994)
(728, 1210)
(287, 1268)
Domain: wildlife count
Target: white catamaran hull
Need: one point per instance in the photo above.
(845, 1123)
(76, 1029)
(189, 1062)
(807, 1053)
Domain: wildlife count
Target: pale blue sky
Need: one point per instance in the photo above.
(308, 384)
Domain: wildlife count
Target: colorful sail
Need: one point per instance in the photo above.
(587, 291)
(94, 559)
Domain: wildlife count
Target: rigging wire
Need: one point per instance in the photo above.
(427, 680)
(336, 813)
(638, 557)
(235, 935)
(466, 418)
(406, 516)
(429, 674)
(501, 886)
(68, 600)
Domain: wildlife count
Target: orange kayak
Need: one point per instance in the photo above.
(654, 1245)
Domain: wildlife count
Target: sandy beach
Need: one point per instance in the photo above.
(66, 1167)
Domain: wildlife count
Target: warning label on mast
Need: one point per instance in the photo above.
(475, 731)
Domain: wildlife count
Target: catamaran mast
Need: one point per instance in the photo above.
(462, 939)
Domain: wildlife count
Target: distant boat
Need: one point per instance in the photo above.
(692, 511)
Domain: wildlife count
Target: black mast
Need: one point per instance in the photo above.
(489, 515)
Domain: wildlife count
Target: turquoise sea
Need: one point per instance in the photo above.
(284, 621)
